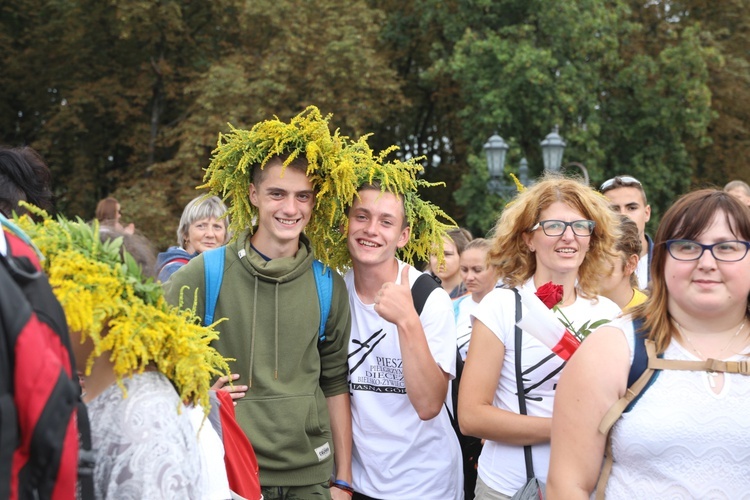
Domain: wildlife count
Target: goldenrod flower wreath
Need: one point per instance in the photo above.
(103, 289)
(337, 168)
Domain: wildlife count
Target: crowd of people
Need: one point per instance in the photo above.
(298, 309)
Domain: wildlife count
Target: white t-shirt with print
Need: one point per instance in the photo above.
(502, 466)
(395, 453)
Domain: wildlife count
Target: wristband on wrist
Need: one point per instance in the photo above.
(342, 485)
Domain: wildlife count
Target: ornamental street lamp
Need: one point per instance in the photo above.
(496, 148)
(553, 147)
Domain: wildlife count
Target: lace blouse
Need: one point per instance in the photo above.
(682, 440)
(144, 448)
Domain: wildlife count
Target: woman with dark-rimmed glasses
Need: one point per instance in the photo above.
(688, 436)
(558, 231)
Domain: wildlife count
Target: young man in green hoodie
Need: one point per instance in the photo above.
(296, 406)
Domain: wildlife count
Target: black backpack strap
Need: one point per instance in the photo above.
(8, 416)
(422, 289)
(519, 383)
(640, 362)
(454, 392)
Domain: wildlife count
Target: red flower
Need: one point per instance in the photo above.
(550, 294)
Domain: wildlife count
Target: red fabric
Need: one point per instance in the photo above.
(239, 456)
(567, 345)
(18, 248)
(41, 360)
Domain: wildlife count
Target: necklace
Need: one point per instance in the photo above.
(712, 374)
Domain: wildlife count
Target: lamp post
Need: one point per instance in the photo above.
(553, 147)
(495, 148)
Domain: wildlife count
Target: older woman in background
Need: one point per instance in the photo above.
(202, 227)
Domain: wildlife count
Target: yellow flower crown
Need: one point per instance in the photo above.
(337, 168)
(102, 289)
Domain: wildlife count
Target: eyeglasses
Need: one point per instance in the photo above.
(619, 181)
(558, 227)
(724, 251)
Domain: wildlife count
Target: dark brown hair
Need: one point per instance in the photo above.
(23, 176)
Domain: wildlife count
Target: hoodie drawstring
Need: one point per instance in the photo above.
(252, 334)
(276, 334)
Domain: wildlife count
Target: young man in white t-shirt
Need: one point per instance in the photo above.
(400, 363)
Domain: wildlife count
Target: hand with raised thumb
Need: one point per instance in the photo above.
(393, 302)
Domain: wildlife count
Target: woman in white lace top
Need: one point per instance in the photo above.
(688, 436)
(142, 361)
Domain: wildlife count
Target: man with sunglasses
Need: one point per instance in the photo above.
(626, 196)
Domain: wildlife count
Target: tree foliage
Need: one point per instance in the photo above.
(129, 97)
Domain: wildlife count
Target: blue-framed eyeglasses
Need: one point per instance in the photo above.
(724, 251)
(558, 227)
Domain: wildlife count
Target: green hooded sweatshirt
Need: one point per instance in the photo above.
(271, 328)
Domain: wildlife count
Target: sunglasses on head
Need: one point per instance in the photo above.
(619, 181)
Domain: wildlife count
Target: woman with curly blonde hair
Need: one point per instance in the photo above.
(561, 234)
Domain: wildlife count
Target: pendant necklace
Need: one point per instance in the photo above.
(712, 374)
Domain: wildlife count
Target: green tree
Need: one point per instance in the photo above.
(129, 97)
(724, 26)
(623, 105)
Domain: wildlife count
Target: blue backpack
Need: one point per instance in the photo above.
(213, 264)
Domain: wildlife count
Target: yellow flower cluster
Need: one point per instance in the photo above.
(106, 299)
(337, 167)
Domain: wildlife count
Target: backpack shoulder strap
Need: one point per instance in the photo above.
(213, 270)
(519, 381)
(324, 286)
(173, 260)
(642, 374)
(422, 289)
(640, 359)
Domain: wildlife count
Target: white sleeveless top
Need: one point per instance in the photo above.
(682, 440)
